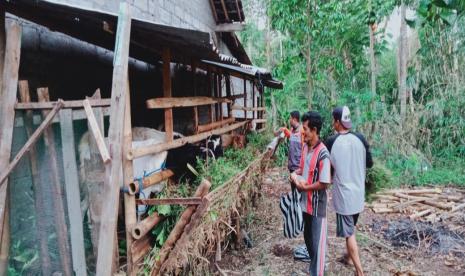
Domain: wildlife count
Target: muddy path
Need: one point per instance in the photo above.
(272, 254)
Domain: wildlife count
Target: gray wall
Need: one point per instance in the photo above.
(188, 14)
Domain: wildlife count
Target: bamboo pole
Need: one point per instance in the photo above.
(128, 172)
(143, 227)
(133, 187)
(214, 125)
(178, 229)
(142, 151)
(141, 247)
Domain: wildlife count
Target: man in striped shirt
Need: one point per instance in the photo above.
(312, 179)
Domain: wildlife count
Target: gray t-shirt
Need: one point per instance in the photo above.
(350, 156)
(295, 149)
(315, 202)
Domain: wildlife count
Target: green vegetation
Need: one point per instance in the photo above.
(403, 84)
(218, 172)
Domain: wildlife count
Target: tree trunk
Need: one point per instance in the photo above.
(402, 51)
(308, 58)
(372, 28)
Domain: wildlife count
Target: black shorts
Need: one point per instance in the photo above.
(345, 225)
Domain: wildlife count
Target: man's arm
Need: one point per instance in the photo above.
(368, 157)
(323, 181)
(304, 186)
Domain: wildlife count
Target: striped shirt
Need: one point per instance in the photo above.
(316, 166)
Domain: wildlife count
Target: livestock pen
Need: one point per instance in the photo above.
(97, 76)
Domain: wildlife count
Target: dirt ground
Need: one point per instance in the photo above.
(272, 254)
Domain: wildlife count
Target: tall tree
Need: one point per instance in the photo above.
(402, 60)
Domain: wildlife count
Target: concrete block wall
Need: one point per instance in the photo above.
(188, 14)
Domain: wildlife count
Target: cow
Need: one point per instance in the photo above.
(92, 170)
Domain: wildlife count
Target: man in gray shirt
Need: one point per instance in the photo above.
(350, 156)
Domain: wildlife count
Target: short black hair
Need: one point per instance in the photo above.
(295, 114)
(314, 120)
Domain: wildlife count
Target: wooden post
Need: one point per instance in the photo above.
(113, 177)
(167, 93)
(25, 97)
(210, 92)
(228, 93)
(5, 240)
(57, 191)
(253, 100)
(220, 94)
(215, 94)
(72, 192)
(245, 99)
(2, 48)
(194, 85)
(130, 218)
(262, 104)
(7, 113)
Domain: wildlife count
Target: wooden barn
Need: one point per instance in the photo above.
(101, 68)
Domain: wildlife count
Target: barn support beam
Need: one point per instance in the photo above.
(130, 218)
(113, 175)
(7, 100)
(167, 92)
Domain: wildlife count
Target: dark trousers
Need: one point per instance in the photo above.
(315, 231)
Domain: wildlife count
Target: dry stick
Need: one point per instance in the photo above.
(413, 192)
(57, 192)
(457, 207)
(95, 130)
(143, 227)
(421, 214)
(170, 201)
(5, 241)
(179, 228)
(25, 96)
